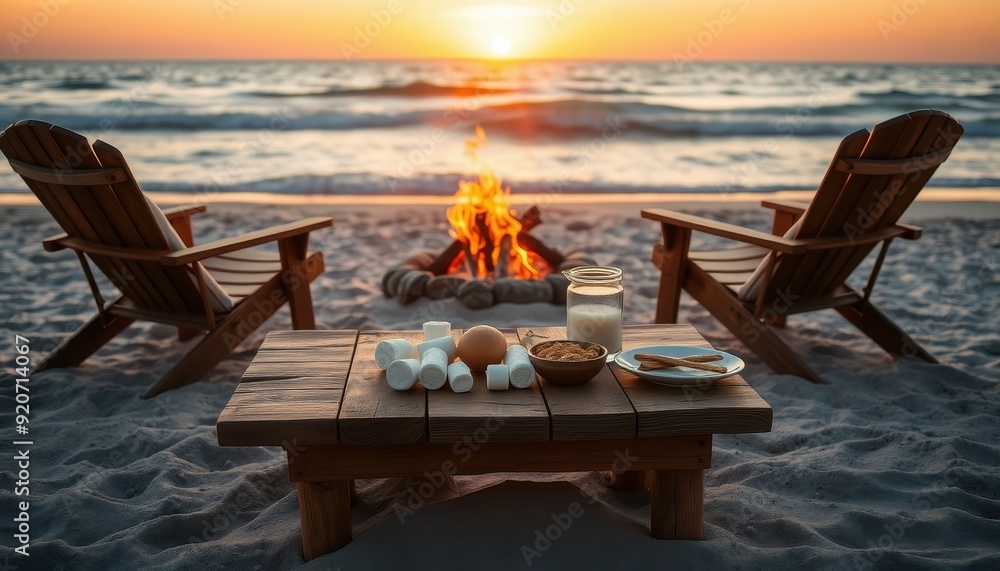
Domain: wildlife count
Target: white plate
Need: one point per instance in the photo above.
(680, 376)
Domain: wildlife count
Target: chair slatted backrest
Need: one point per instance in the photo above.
(114, 213)
(872, 180)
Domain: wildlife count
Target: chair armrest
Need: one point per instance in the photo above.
(55, 243)
(790, 206)
(776, 243)
(275, 233)
(726, 230)
(912, 232)
(62, 241)
(183, 211)
(797, 208)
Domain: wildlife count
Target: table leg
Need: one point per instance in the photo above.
(677, 508)
(629, 481)
(325, 511)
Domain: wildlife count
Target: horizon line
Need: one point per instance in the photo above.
(496, 61)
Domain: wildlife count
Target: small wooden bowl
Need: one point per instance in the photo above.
(568, 372)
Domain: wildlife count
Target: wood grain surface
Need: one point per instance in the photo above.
(316, 387)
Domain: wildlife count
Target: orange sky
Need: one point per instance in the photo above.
(784, 30)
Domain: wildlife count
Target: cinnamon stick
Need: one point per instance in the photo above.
(705, 358)
(648, 362)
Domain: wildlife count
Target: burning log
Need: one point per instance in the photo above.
(529, 242)
(470, 262)
(502, 268)
(504, 262)
(484, 231)
(415, 276)
(531, 218)
(440, 265)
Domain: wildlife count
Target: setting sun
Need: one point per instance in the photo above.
(857, 30)
(501, 46)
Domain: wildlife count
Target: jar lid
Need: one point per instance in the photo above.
(581, 275)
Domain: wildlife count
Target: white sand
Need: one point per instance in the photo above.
(891, 465)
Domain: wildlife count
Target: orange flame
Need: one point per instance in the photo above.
(482, 217)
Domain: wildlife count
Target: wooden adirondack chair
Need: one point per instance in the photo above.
(149, 255)
(812, 249)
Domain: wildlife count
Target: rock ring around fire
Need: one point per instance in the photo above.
(411, 280)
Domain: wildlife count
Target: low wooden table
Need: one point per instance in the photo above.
(319, 395)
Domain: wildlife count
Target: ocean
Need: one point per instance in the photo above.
(399, 127)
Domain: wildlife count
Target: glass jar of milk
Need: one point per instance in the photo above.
(594, 303)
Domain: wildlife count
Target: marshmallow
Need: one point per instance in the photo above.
(433, 369)
(402, 374)
(459, 377)
(522, 373)
(436, 330)
(388, 351)
(497, 377)
(446, 344)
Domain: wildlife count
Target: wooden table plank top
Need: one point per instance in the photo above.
(514, 415)
(285, 402)
(597, 409)
(729, 406)
(373, 413)
(320, 395)
(309, 339)
(291, 354)
(323, 387)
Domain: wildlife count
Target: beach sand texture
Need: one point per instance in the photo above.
(890, 465)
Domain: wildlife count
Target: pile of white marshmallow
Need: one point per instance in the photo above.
(432, 363)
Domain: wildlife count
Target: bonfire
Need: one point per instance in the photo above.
(493, 257)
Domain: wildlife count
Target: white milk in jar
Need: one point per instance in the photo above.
(595, 323)
(594, 302)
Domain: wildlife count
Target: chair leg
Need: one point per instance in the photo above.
(883, 331)
(756, 334)
(676, 242)
(252, 312)
(82, 344)
(220, 342)
(301, 306)
(300, 270)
